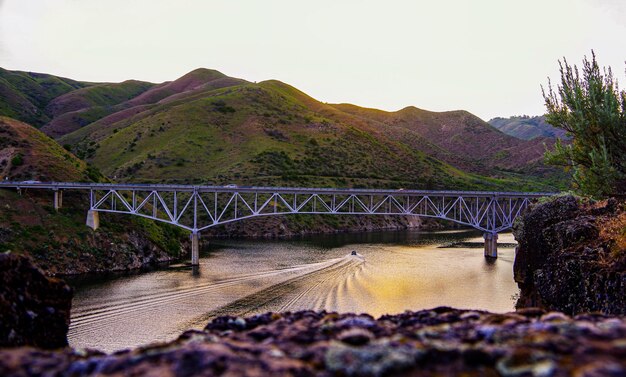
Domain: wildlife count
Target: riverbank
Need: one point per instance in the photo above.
(572, 256)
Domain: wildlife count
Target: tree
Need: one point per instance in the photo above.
(592, 110)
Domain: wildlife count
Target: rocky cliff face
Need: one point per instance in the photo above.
(60, 243)
(572, 256)
(34, 309)
(442, 341)
(298, 225)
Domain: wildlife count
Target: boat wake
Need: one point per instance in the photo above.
(327, 285)
(329, 288)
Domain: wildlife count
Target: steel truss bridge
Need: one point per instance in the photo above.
(197, 208)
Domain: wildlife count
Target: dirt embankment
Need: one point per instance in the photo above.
(572, 256)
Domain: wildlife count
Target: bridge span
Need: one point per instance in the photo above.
(197, 208)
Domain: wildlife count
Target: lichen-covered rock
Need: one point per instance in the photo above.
(34, 309)
(567, 261)
(442, 341)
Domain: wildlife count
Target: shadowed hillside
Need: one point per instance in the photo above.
(456, 137)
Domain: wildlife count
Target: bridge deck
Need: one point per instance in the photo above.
(261, 189)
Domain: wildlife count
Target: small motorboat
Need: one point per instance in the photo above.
(353, 252)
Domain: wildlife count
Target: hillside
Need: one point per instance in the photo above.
(273, 134)
(527, 128)
(60, 242)
(28, 154)
(25, 95)
(80, 107)
(210, 128)
(456, 137)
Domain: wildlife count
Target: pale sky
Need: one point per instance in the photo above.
(485, 56)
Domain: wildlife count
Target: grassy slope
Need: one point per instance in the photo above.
(59, 241)
(28, 154)
(24, 95)
(78, 108)
(97, 95)
(82, 107)
(457, 137)
(270, 133)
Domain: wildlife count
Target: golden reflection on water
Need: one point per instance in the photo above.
(391, 273)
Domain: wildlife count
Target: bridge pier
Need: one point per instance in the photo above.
(93, 219)
(195, 248)
(491, 245)
(58, 199)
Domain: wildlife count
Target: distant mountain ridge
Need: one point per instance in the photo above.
(527, 128)
(208, 127)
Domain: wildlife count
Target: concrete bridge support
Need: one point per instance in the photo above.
(491, 245)
(195, 248)
(93, 219)
(58, 199)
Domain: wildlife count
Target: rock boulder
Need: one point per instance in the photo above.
(34, 309)
(568, 259)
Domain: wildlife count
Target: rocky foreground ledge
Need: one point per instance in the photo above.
(442, 341)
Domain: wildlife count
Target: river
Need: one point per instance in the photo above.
(390, 273)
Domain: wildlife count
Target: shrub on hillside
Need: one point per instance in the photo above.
(592, 110)
(17, 160)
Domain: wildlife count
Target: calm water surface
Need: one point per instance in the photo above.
(392, 272)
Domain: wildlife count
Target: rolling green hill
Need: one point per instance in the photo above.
(206, 127)
(25, 95)
(81, 107)
(28, 154)
(273, 134)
